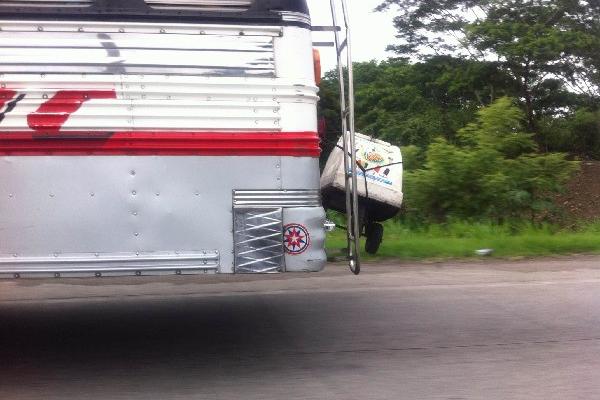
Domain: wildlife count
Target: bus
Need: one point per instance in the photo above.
(154, 137)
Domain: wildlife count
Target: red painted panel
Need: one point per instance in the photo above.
(51, 115)
(5, 96)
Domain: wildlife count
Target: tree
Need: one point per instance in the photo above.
(534, 41)
(411, 104)
(494, 173)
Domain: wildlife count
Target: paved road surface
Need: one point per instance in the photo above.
(497, 330)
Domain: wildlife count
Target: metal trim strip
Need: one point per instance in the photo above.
(276, 198)
(112, 263)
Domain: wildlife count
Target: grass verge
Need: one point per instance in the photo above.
(461, 240)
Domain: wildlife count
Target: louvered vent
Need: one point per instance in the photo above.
(45, 3)
(202, 5)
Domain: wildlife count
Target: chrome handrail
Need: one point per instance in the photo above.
(348, 134)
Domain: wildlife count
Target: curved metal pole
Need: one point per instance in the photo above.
(348, 139)
(356, 217)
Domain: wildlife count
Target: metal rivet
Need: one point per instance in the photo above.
(80, 29)
(136, 234)
(57, 275)
(10, 195)
(121, 30)
(132, 173)
(137, 253)
(242, 33)
(17, 276)
(97, 254)
(15, 255)
(133, 193)
(55, 255)
(44, 96)
(134, 213)
(178, 272)
(202, 33)
(40, 28)
(92, 194)
(157, 193)
(138, 273)
(51, 194)
(162, 30)
(98, 274)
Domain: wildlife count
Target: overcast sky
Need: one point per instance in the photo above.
(372, 31)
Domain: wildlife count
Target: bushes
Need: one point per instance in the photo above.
(494, 172)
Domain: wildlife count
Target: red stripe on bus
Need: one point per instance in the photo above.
(5, 96)
(52, 115)
(295, 144)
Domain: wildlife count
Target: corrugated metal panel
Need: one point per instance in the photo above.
(276, 198)
(137, 263)
(202, 5)
(183, 104)
(136, 49)
(164, 103)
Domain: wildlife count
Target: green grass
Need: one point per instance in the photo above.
(461, 240)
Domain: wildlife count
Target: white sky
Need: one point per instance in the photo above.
(372, 31)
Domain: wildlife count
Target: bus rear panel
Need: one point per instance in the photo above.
(158, 137)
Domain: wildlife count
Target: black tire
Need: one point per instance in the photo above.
(374, 233)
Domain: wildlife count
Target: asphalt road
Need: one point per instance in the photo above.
(490, 330)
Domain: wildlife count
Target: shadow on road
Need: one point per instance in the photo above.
(200, 346)
(135, 333)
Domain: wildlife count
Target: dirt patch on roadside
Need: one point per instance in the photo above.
(581, 201)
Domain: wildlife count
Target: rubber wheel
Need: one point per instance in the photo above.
(374, 233)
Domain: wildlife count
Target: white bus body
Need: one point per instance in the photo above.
(168, 141)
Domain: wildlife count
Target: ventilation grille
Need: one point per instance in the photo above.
(202, 5)
(46, 3)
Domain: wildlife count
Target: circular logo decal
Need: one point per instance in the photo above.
(295, 239)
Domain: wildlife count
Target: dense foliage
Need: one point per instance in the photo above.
(487, 98)
(494, 172)
(549, 47)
